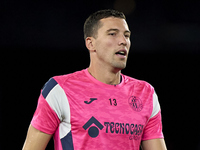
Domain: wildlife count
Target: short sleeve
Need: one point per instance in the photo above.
(44, 118)
(51, 108)
(153, 129)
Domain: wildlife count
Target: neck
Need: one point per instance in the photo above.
(105, 75)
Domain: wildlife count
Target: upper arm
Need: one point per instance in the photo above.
(153, 138)
(153, 128)
(36, 139)
(154, 144)
(47, 117)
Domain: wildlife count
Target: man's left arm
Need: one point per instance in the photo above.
(153, 138)
(154, 144)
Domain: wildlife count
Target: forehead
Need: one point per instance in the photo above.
(112, 22)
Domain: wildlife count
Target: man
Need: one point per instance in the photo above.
(99, 108)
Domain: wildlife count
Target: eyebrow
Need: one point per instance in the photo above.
(117, 30)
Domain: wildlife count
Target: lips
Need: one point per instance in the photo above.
(122, 52)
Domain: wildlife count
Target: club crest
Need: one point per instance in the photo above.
(135, 103)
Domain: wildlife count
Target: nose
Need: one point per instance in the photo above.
(123, 40)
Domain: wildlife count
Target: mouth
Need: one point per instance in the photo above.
(121, 53)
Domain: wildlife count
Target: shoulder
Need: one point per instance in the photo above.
(137, 83)
(54, 92)
(61, 79)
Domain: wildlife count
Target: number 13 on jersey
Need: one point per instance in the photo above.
(113, 101)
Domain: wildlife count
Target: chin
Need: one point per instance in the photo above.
(120, 66)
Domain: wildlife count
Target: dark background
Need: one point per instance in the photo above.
(41, 39)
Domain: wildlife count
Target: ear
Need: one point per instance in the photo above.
(90, 44)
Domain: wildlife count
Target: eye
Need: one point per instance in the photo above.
(127, 35)
(112, 34)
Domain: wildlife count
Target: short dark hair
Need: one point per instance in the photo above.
(92, 23)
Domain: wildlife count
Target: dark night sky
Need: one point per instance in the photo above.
(41, 39)
(155, 25)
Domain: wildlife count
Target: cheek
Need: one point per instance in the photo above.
(109, 43)
(129, 43)
(105, 45)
